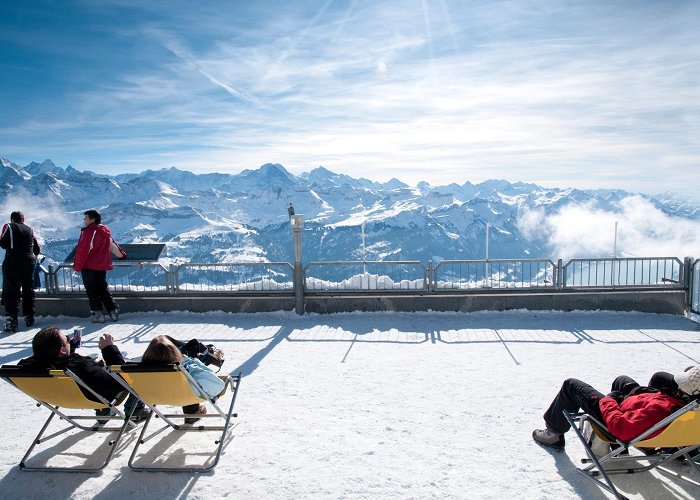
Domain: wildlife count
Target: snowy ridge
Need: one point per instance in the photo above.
(222, 217)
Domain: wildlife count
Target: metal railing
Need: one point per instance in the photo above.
(351, 276)
(623, 272)
(248, 277)
(695, 287)
(494, 273)
(125, 277)
(460, 276)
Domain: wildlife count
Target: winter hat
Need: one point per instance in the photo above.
(689, 380)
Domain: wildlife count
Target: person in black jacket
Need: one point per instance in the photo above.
(52, 349)
(21, 249)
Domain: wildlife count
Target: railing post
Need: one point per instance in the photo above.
(170, 281)
(429, 285)
(686, 277)
(560, 274)
(49, 280)
(297, 222)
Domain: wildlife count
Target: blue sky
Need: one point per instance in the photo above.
(560, 93)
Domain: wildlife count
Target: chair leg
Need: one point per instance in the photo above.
(112, 444)
(589, 471)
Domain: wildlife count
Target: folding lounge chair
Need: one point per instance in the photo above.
(169, 385)
(58, 391)
(679, 439)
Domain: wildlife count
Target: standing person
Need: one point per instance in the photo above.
(93, 259)
(21, 249)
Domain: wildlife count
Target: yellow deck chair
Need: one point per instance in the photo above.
(171, 385)
(59, 391)
(680, 437)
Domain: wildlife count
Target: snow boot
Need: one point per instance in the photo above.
(97, 317)
(114, 313)
(11, 325)
(29, 320)
(549, 438)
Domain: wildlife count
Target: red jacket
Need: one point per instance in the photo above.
(94, 247)
(637, 413)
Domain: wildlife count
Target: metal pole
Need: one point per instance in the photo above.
(297, 227)
(364, 266)
(486, 264)
(612, 278)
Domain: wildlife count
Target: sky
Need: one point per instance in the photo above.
(588, 94)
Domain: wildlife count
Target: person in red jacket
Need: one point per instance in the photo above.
(93, 258)
(627, 411)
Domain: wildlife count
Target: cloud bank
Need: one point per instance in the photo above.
(584, 230)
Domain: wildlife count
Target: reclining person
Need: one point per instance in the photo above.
(627, 411)
(52, 350)
(162, 350)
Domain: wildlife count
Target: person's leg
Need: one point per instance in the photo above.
(11, 291)
(28, 294)
(103, 293)
(90, 283)
(624, 385)
(663, 380)
(573, 396)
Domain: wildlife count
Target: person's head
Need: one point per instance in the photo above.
(689, 380)
(92, 217)
(161, 351)
(49, 344)
(17, 217)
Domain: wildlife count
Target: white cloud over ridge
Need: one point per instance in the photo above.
(584, 230)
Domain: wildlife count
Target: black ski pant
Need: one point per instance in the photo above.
(18, 282)
(97, 291)
(576, 395)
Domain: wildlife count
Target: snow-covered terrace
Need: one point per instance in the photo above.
(373, 405)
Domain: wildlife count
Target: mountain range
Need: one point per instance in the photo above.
(219, 217)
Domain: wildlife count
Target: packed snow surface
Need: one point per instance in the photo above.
(371, 405)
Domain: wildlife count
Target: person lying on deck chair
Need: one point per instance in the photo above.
(52, 350)
(166, 350)
(628, 410)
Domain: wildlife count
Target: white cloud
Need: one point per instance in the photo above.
(583, 230)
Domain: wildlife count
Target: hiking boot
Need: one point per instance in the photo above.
(549, 438)
(97, 317)
(140, 414)
(11, 325)
(114, 313)
(202, 410)
(29, 321)
(104, 412)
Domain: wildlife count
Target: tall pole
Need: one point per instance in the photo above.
(614, 254)
(486, 264)
(364, 266)
(297, 227)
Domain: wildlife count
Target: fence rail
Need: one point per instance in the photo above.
(248, 277)
(397, 276)
(623, 272)
(448, 276)
(494, 273)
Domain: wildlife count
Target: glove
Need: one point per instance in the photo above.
(617, 396)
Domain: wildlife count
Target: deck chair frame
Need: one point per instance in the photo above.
(121, 374)
(27, 381)
(618, 460)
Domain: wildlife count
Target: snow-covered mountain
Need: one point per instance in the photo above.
(221, 217)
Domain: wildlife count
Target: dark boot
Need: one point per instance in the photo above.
(11, 325)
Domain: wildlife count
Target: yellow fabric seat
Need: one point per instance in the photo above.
(171, 386)
(59, 391)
